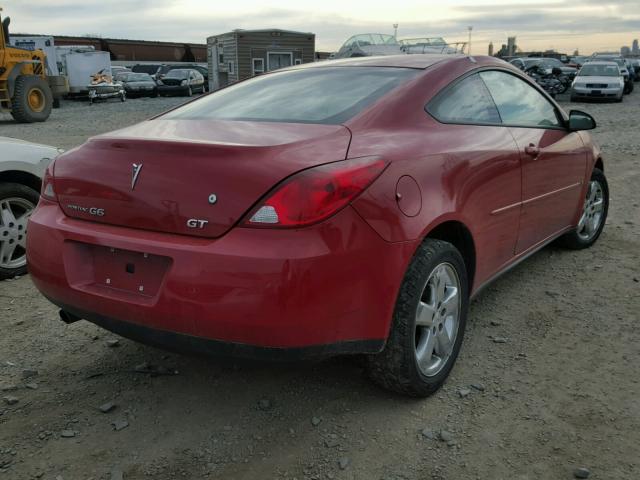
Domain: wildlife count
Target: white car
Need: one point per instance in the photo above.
(602, 79)
(22, 166)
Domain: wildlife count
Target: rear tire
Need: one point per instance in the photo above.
(593, 217)
(16, 200)
(32, 99)
(435, 282)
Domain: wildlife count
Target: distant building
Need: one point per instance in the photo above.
(625, 50)
(511, 46)
(241, 54)
(634, 47)
(490, 49)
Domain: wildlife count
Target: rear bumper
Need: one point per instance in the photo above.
(183, 343)
(331, 287)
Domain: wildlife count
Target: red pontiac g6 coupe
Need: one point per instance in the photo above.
(342, 207)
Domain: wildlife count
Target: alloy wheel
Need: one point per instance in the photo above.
(437, 319)
(591, 217)
(14, 215)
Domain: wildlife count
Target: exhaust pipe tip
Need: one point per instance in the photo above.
(67, 317)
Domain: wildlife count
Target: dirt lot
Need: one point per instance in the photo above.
(563, 392)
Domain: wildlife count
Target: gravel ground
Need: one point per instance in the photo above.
(562, 393)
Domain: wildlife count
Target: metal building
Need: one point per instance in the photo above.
(241, 54)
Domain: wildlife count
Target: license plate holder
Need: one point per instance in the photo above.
(125, 270)
(114, 271)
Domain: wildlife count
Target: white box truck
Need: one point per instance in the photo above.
(39, 43)
(79, 64)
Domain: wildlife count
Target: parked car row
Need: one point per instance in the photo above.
(547, 64)
(158, 71)
(174, 81)
(597, 76)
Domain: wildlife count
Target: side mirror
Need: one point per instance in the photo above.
(580, 121)
(556, 71)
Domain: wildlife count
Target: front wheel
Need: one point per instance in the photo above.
(594, 214)
(428, 323)
(32, 99)
(16, 205)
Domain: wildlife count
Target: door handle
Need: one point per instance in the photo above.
(532, 150)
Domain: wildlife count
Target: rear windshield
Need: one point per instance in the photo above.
(328, 95)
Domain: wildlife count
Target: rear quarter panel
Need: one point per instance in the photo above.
(476, 182)
(466, 173)
(25, 157)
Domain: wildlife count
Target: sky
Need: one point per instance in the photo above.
(564, 25)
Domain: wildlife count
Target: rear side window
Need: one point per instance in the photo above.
(467, 101)
(329, 95)
(518, 102)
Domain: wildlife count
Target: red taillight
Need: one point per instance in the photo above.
(315, 194)
(48, 190)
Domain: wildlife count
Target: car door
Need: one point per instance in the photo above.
(554, 160)
(489, 191)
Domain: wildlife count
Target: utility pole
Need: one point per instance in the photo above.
(395, 31)
(470, 27)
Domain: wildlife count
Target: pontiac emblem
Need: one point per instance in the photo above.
(135, 171)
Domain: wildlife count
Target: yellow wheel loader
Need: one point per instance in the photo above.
(26, 91)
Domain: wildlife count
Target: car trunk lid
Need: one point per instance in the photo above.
(193, 177)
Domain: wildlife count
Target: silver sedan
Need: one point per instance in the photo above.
(598, 80)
